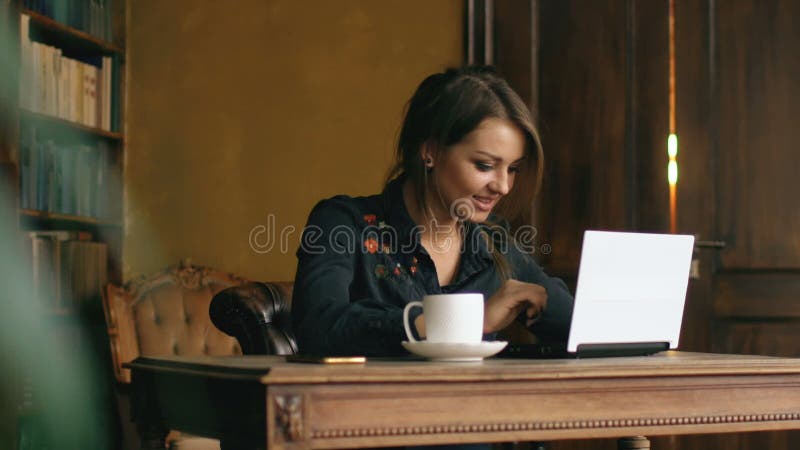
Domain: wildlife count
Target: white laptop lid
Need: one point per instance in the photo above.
(631, 288)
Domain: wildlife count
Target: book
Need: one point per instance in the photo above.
(65, 177)
(68, 270)
(26, 62)
(83, 274)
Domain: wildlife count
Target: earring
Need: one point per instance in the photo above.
(429, 162)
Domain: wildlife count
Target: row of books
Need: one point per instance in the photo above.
(69, 271)
(90, 16)
(64, 178)
(80, 91)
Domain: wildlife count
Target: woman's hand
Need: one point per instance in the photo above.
(509, 301)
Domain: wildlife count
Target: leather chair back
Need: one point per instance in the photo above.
(258, 315)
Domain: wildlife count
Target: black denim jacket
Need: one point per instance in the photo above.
(360, 263)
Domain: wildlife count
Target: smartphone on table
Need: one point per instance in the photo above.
(326, 359)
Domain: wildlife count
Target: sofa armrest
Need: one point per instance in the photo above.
(258, 316)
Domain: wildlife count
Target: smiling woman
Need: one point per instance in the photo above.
(468, 159)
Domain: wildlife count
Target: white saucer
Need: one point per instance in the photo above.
(441, 351)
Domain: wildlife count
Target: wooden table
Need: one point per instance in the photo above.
(257, 401)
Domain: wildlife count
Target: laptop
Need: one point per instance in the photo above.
(629, 298)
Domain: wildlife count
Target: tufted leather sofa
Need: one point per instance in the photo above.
(171, 313)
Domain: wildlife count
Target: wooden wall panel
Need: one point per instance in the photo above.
(696, 212)
(515, 43)
(602, 69)
(647, 121)
(603, 90)
(582, 93)
(515, 47)
(751, 295)
(697, 204)
(758, 338)
(737, 116)
(759, 112)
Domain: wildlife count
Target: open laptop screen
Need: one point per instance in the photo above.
(631, 288)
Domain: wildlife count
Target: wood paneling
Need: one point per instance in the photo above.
(516, 46)
(758, 114)
(603, 71)
(696, 190)
(582, 93)
(694, 90)
(737, 114)
(759, 338)
(757, 295)
(647, 121)
(603, 108)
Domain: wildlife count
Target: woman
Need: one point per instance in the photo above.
(468, 157)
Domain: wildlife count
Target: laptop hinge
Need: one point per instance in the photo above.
(621, 349)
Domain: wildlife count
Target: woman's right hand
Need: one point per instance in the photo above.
(509, 301)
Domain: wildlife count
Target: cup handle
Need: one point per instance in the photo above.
(405, 319)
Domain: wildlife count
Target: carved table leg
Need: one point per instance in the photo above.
(635, 442)
(153, 436)
(289, 417)
(230, 443)
(146, 413)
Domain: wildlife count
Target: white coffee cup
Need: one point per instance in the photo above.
(449, 318)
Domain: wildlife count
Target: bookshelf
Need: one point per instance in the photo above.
(65, 125)
(69, 36)
(34, 219)
(62, 147)
(70, 119)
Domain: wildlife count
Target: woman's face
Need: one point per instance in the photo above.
(476, 172)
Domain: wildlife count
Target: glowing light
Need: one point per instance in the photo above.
(672, 173)
(672, 151)
(672, 146)
(672, 140)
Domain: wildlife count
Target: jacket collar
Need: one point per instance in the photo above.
(475, 247)
(397, 216)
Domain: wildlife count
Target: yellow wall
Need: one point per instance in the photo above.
(242, 109)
